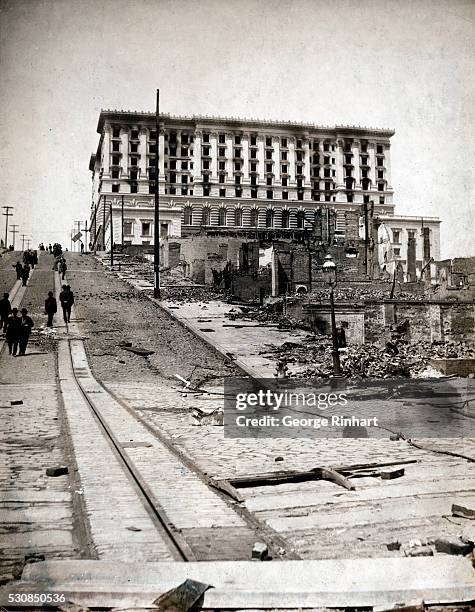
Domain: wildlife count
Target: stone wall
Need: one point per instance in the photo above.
(252, 288)
(377, 322)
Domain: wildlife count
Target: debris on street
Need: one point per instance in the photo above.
(463, 511)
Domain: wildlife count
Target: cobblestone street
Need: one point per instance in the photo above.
(156, 424)
(36, 510)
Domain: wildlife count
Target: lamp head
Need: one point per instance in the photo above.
(329, 265)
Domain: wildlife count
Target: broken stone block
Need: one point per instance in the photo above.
(390, 474)
(56, 471)
(279, 459)
(395, 437)
(393, 545)
(453, 546)
(260, 551)
(463, 511)
(16, 402)
(419, 551)
(468, 534)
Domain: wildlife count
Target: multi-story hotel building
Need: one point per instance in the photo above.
(228, 175)
(233, 173)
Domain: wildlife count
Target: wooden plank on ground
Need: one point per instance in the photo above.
(251, 585)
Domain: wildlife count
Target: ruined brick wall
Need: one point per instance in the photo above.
(458, 322)
(420, 321)
(199, 252)
(301, 268)
(282, 264)
(374, 322)
(174, 249)
(352, 223)
(251, 288)
(416, 316)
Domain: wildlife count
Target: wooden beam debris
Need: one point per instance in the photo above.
(276, 478)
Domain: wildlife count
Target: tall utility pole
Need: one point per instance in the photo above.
(86, 231)
(14, 231)
(79, 229)
(7, 214)
(156, 241)
(23, 236)
(28, 243)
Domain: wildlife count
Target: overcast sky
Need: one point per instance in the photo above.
(403, 64)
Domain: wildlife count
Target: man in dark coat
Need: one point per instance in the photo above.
(51, 308)
(5, 310)
(66, 297)
(25, 330)
(62, 268)
(13, 331)
(19, 270)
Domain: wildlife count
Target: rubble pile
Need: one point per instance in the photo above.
(265, 314)
(182, 295)
(362, 294)
(397, 358)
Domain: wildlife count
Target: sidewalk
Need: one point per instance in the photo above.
(36, 510)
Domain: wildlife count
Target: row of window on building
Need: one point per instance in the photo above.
(185, 150)
(235, 217)
(174, 138)
(317, 195)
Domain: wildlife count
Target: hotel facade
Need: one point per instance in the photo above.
(233, 176)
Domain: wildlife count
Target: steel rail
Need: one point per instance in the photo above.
(178, 546)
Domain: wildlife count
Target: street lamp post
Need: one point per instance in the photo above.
(156, 220)
(329, 268)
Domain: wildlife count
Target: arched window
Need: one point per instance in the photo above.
(269, 217)
(188, 215)
(206, 216)
(349, 182)
(285, 218)
(238, 217)
(301, 219)
(222, 216)
(254, 217)
(366, 184)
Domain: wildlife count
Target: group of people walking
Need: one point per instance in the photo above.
(66, 299)
(16, 327)
(22, 272)
(30, 260)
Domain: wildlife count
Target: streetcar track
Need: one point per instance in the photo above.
(178, 543)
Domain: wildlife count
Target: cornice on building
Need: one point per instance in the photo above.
(410, 219)
(237, 123)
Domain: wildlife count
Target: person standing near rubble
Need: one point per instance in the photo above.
(5, 311)
(25, 331)
(51, 308)
(13, 332)
(66, 298)
(341, 336)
